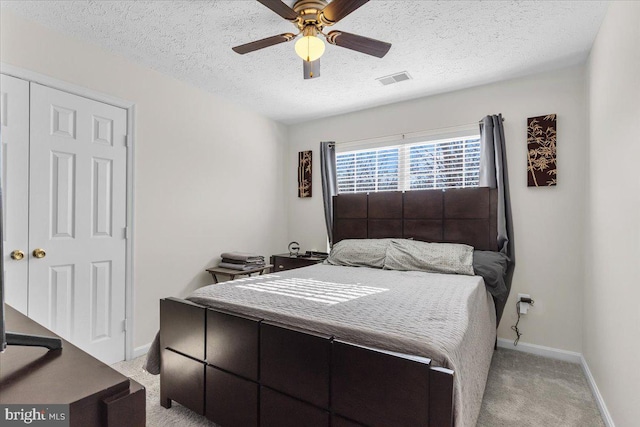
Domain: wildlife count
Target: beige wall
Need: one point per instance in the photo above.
(549, 222)
(208, 175)
(612, 291)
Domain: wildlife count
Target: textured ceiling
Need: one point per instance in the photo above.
(444, 45)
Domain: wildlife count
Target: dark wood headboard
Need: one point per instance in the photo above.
(461, 215)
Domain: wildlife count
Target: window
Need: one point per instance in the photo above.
(368, 170)
(442, 163)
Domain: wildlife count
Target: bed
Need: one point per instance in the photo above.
(324, 345)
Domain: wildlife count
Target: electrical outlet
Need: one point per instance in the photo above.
(524, 306)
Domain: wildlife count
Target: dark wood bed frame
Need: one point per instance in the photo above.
(243, 371)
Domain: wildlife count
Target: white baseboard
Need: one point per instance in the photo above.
(540, 350)
(606, 416)
(141, 351)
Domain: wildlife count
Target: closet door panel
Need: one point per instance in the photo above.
(14, 143)
(78, 217)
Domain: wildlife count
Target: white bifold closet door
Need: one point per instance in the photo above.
(76, 220)
(14, 102)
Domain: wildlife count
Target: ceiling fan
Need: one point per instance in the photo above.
(310, 17)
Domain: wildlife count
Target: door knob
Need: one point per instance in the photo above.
(39, 253)
(17, 255)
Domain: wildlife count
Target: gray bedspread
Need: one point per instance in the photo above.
(448, 318)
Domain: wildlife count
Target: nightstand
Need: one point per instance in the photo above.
(282, 262)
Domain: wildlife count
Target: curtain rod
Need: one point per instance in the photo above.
(400, 136)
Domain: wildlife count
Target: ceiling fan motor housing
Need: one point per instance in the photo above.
(318, 5)
(309, 12)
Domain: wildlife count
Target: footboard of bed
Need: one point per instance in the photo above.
(244, 371)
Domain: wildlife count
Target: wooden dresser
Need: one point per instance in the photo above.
(96, 394)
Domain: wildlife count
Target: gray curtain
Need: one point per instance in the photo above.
(329, 183)
(493, 174)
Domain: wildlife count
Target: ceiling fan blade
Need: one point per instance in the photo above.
(261, 44)
(338, 9)
(359, 43)
(281, 9)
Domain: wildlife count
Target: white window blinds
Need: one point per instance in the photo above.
(416, 165)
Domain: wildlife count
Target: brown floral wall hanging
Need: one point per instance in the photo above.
(541, 151)
(304, 174)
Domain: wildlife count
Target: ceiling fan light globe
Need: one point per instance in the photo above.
(309, 48)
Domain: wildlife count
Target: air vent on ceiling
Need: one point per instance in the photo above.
(394, 78)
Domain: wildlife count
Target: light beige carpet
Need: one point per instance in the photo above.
(528, 391)
(523, 390)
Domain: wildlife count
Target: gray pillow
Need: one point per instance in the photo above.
(359, 253)
(492, 266)
(412, 255)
